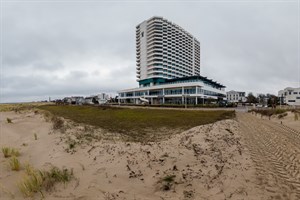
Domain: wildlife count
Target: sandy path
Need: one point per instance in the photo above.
(275, 150)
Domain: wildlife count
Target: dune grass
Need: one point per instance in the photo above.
(35, 136)
(18, 107)
(36, 181)
(9, 152)
(9, 121)
(14, 164)
(31, 183)
(138, 123)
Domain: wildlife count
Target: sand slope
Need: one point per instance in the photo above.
(205, 162)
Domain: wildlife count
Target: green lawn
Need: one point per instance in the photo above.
(138, 123)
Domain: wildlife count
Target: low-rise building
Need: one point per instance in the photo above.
(289, 96)
(102, 98)
(236, 97)
(190, 90)
(77, 100)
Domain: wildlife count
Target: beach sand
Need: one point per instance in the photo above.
(205, 162)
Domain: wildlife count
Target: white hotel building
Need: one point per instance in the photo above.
(168, 67)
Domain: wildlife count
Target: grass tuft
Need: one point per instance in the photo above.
(36, 180)
(9, 120)
(167, 182)
(296, 116)
(9, 152)
(169, 178)
(31, 184)
(15, 164)
(35, 136)
(29, 169)
(56, 175)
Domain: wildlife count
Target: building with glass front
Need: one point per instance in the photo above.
(190, 90)
(168, 67)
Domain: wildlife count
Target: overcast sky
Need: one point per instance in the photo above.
(57, 49)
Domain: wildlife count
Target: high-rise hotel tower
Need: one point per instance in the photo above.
(165, 51)
(168, 67)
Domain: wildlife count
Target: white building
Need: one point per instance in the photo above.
(168, 67)
(165, 50)
(102, 98)
(290, 96)
(192, 89)
(236, 97)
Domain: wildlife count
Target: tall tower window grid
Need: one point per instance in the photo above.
(165, 50)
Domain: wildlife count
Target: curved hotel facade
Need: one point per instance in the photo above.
(168, 66)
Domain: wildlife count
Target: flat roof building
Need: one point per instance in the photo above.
(290, 96)
(236, 96)
(190, 90)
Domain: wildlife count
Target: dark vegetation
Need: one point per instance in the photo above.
(138, 124)
(269, 112)
(167, 182)
(280, 113)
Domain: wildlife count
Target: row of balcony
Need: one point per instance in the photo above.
(164, 61)
(167, 58)
(179, 50)
(173, 67)
(176, 56)
(171, 70)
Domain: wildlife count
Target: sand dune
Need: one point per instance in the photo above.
(205, 162)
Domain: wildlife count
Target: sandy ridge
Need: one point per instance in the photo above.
(206, 162)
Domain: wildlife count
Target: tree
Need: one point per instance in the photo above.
(251, 98)
(272, 99)
(261, 99)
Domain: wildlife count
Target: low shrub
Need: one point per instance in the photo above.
(280, 116)
(269, 112)
(56, 175)
(9, 120)
(58, 123)
(167, 182)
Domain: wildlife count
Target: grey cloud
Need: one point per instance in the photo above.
(57, 49)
